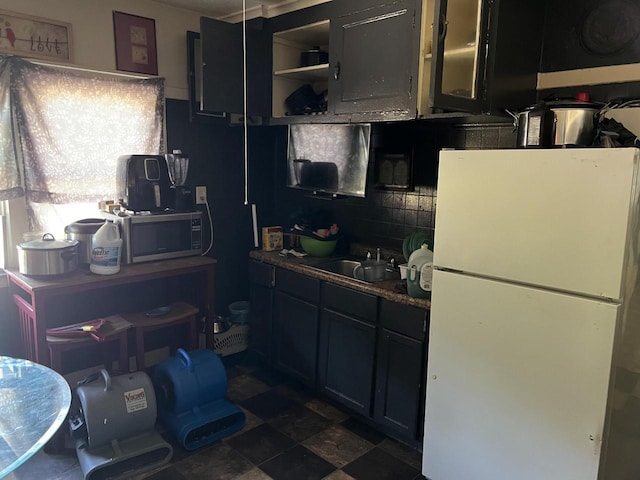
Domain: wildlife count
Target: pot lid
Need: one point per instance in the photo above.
(569, 103)
(86, 225)
(48, 242)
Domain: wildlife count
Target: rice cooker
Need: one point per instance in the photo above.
(558, 123)
(83, 231)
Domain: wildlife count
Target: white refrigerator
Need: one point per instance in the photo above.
(533, 311)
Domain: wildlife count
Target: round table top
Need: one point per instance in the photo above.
(34, 402)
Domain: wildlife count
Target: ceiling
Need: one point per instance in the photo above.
(230, 8)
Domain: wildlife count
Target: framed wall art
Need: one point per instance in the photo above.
(135, 40)
(29, 36)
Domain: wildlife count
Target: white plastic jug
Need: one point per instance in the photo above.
(106, 246)
(420, 272)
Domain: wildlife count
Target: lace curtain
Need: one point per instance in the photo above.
(11, 185)
(68, 129)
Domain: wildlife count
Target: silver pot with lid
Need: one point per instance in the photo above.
(575, 122)
(556, 123)
(47, 256)
(83, 231)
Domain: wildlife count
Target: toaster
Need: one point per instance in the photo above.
(143, 183)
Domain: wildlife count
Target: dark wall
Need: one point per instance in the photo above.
(591, 33)
(216, 160)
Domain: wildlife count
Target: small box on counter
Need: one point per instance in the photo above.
(271, 238)
(108, 206)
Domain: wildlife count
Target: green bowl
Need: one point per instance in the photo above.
(318, 248)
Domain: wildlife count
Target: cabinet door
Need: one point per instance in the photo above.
(346, 360)
(295, 337)
(458, 54)
(222, 67)
(261, 284)
(261, 320)
(373, 59)
(399, 383)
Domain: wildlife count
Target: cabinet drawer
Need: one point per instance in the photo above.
(404, 319)
(299, 285)
(349, 301)
(262, 274)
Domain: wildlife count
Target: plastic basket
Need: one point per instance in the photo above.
(234, 340)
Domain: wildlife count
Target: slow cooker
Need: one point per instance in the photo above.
(47, 256)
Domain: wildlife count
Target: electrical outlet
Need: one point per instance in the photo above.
(201, 195)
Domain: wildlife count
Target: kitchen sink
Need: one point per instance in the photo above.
(345, 268)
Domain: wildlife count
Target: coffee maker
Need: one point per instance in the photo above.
(178, 165)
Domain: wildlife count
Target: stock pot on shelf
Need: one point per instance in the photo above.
(47, 256)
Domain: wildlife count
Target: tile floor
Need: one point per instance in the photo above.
(289, 435)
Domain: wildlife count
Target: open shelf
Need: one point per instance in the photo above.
(288, 75)
(311, 73)
(457, 52)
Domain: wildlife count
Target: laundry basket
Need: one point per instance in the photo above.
(234, 340)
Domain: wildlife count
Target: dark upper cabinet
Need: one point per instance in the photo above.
(223, 71)
(373, 56)
(408, 59)
(482, 56)
(387, 60)
(454, 57)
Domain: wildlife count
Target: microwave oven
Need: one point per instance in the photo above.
(162, 236)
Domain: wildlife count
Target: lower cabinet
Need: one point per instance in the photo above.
(363, 351)
(400, 369)
(296, 317)
(262, 281)
(346, 358)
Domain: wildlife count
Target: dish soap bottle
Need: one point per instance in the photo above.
(420, 272)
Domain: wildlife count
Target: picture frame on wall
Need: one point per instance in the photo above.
(35, 37)
(135, 41)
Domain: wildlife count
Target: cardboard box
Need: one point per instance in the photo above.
(271, 238)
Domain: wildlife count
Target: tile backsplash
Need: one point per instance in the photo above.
(385, 217)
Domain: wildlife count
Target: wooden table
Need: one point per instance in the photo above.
(39, 291)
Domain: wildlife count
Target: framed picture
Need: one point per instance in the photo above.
(135, 39)
(36, 37)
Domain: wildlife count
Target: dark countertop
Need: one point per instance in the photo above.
(395, 290)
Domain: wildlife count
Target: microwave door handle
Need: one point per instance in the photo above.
(156, 194)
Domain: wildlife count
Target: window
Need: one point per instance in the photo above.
(64, 130)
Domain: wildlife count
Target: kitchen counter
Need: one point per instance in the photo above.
(394, 290)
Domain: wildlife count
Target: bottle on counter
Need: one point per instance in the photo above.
(106, 246)
(420, 272)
